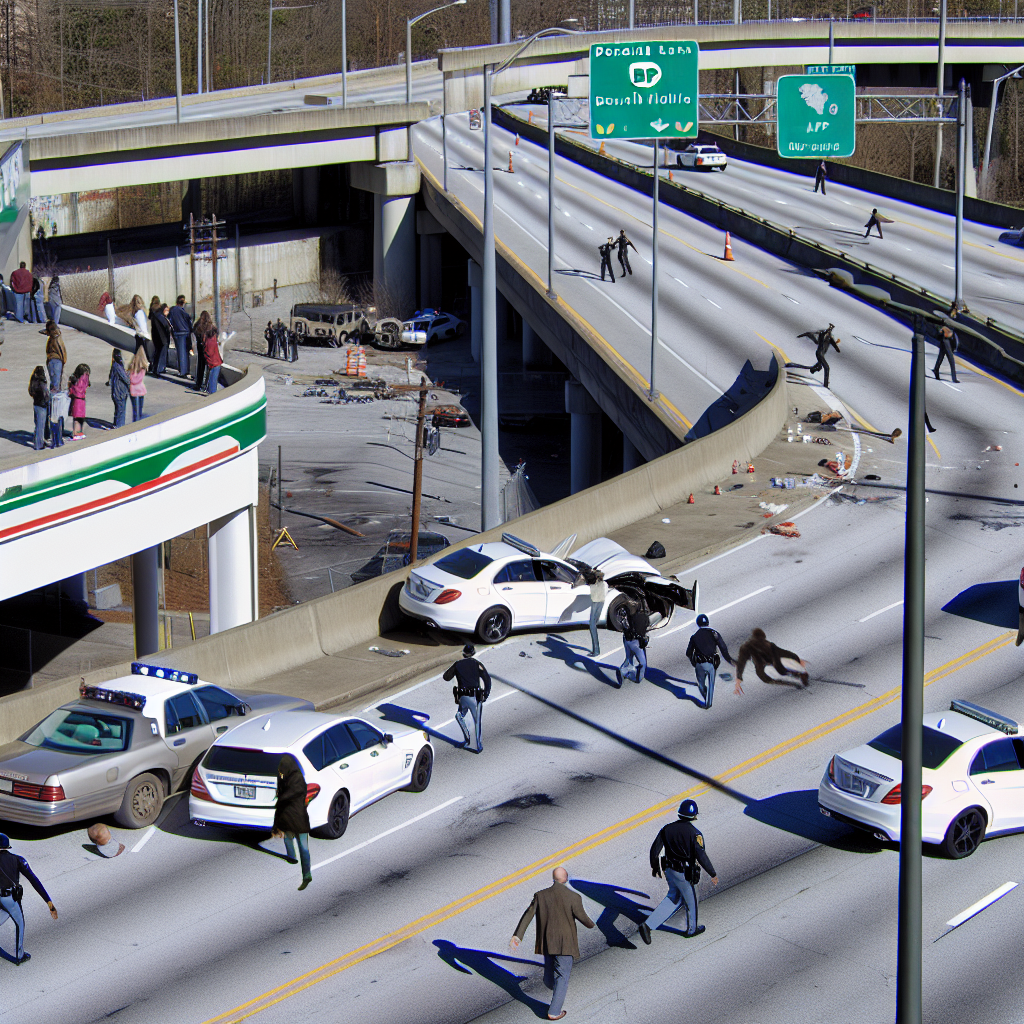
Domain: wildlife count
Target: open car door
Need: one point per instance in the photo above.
(662, 594)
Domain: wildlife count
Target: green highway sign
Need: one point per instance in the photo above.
(816, 115)
(643, 90)
(831, 69)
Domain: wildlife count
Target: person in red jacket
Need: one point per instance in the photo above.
(21, 285)
(213, 358)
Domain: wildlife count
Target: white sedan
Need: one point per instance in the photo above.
(702, 157)
(972, 780)
(434, 325)
(491, 589)
(348, 764)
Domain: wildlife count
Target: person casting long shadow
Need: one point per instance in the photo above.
(482, 962)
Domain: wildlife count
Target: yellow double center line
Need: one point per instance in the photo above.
(422, 924)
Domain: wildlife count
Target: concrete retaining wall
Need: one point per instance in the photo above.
(1002, 351)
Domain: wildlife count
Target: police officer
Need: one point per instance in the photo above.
(271, 339)
(13, 867)
(624, 245)
(684, 856)
(703, 654)
(472, 687)
(606, 259)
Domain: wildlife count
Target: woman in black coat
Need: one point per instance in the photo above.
(160, 329)
(291, 820)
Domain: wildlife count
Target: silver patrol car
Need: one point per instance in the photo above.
(122, 747)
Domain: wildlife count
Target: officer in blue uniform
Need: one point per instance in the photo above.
(472, 687)
(702, 653)
(12, 869)
(684, 856)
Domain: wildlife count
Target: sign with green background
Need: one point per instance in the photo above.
(816, 115)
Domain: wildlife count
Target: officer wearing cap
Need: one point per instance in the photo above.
(703, 655)
(12, 868)
(684, 856)
(472, 687)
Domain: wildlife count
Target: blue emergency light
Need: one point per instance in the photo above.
(172, 675)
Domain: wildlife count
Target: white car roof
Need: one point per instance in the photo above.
(278, 730)
(960, 726)
(150, 687)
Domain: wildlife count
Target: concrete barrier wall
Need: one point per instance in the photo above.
(1002, 351)
(916, 192)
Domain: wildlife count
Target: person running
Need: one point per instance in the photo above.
(823, 340)
(606, 259)
(763, 652)
(820, 174)
(624, 245)
(874, 221)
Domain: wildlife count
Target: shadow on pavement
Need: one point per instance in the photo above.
(797, 812)
(551, 741)
(616, 902)
(414, 720)
(661, 679)
(482, 962)
(555, 646)
(992, 603)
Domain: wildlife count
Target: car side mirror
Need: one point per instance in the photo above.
(388, 738)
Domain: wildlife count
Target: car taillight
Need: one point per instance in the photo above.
(832, 769)
(312, 789)
(894, 796)
(198, 788)
(447, 596)
(48, 794)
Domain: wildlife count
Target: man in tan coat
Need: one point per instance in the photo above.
(558, 909)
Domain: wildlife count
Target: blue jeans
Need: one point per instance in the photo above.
(556, 977)
(118, 413)
(634, 650)
(137, 401)
(56, 307)
(215, 380)
(57, 433)
(595, 615)
(680, 893)
(181, 344)
(289, 847)
(12, 910)
(706, 680)
(40, 414)
(55, 369)
(40, 312)
(19, 307)
(474, 707)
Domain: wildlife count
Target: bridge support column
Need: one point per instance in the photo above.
(430, 233)
(501, 317)
(145, 600)
(584, 437)
(533, 348)
(476, 313)
(233, 569)
(631, 457)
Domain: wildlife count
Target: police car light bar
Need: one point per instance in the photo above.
(980, 714)
(172, 675)
(521, 545)
(121, 697)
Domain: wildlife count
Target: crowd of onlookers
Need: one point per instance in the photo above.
(165, 336)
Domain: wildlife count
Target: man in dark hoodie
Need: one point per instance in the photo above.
(291, 819)
(762, 652)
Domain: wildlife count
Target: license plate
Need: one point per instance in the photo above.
(6, 786)
(245, 792)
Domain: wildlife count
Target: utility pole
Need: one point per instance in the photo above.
(192, 263)
(177, 63)
(203, 234)
(654, 267)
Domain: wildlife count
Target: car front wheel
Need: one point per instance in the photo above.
(337, 818)
(142, 802)
(421, 771)
(964, 834)
(494, 625)
(618, 612)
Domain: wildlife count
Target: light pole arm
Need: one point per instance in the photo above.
(409, 22)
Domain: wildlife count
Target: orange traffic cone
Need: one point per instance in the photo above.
(735, 467)
(600, 149)
(510, 168)
(750, 467)
(718, 490)
(517, 138)
(530, 118)
(690, 501)
(728, 257)
(669, 175)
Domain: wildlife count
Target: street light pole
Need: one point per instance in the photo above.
(270, 36)
(177, 66)
(961, 180)
(653, 394)
(199, 46)
(409, 22)
(551, 191)
(1015, 73)
(489, 339)
(940, 85)
(344, 57)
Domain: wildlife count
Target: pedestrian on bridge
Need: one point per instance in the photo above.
(472, 687)
(270, 335)
(53, 296)
(948, 344)
(21, 285)
(684, 856)
(119, 386)
(874, 221)
(763, 652)
(56, 354)
(199, 329)
(40, 405)
(214, 360)
(291, 819)
(12, 869)
(137, 382)
(703, 654)
(557, 910)
(78, 382)
(606, 259)
(624, 245)
(820, 174)
(140, 323)
(181, 326)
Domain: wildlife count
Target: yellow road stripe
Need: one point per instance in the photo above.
(938, 454)
(328, 970)
(778, 348)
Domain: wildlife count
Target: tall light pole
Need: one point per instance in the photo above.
(177, 68)
(199, 46)
(1015, 73)
(489, 489)
(940, 85)
(409, 22)
(344, 57)
(270, 28)
(551, 192)
(961, 181)
(653, 394)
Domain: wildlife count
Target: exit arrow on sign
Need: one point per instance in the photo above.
(659, 125)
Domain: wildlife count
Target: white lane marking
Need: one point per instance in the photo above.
(490, 700)
(953, 387)
(387, 700)
(388, 832)
(589, 227)
(714, 611)
(977, 908)
(948, 267)
(683, 283)
(782, 202)
(713, 303)
(791, 299)
(145, 839)
(887, 608)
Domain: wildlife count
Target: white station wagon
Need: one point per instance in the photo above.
(348, 764)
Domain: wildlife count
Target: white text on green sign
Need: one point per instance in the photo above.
(816, 115)
(831, 69)
(644, 90)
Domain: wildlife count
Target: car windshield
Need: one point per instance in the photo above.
(935, 748)
(242, 761)
(81, 732)
(465, 563)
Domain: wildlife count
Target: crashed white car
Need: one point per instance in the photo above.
(491, 589)
(702, 157)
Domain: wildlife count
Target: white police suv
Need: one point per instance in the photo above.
(972, 780)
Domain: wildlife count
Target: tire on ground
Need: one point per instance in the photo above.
(143, 800)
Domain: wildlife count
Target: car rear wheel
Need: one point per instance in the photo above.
(337, 818)
(421, 771)
(964, 834)
(618, 612)
(494, 625)
(142, 802)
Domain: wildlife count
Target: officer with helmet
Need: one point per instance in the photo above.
(472, 687)
(683, 857)
(703, 655)
(12, 868)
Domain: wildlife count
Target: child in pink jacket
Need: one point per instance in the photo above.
(77, 385)
(137, 382)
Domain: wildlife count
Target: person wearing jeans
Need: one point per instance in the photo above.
(634, 641)
(137, 382)
(21, 285)
(291, 819)
(703, 654)
(40, 405)
(56, 355)
(598, 596)
(213, 359)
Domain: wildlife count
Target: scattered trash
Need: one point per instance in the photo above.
(784, 482)
(837, 467)
(784, 530)
(735, 467)
(806, 439)
(666, 520)
(389, 652)
(656, 550)
(750, 467)
(523, 654)
(994, 448)
(822, 440)
(773, 510)
(736, 487)
(872, 476)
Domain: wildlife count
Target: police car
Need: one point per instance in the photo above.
(972, 780)
(122, 747)
(347, 762)
(491, 589)
(702, 157)
(434, 325)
